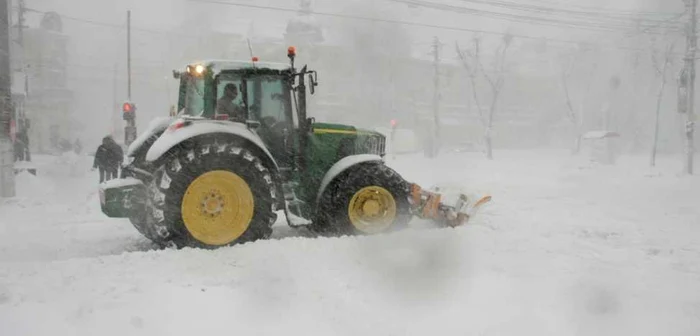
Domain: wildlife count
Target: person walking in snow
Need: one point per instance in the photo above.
(22, 144)
(108, 158)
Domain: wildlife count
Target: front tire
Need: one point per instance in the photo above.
(369, 198)
(212, 194)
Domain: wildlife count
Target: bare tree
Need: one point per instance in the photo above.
(661, 67)
(575, 113)
(631, 122)
(472, 63)
(472, 72)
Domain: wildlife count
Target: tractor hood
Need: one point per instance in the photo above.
(329, 128)
(349, 139)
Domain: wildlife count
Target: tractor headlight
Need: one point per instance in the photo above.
(196, 70)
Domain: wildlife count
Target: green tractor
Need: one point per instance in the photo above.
(242, 147)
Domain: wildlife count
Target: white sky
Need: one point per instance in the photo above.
(98, 48)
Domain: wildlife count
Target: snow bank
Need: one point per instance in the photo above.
(31, 186)
(411, 283)
(68, 164)
(561, 250)
(24, 165)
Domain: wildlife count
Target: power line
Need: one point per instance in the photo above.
(609, 10)
(626, 18)
(347, 16)
(586, 11)
(675, 17)
(112, 25)
(586, 23)
(93, 22)
(405, 23)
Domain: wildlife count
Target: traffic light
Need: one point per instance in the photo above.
(128, 111)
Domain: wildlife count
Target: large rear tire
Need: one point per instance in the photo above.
(369, 198)
(212, 194)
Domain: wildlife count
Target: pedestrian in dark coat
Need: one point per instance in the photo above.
(22, 146)
(108, 158)
(19, 149)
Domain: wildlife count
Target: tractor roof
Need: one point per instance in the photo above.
(222, 65)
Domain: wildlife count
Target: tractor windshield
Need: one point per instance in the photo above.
(193, 96)
(261, 98)
(268, 101)
(238, 96)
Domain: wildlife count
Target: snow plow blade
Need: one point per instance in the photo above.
(447, 209)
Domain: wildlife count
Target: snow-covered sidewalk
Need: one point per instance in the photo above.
(564, 249)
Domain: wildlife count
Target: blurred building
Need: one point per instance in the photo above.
(39, 62)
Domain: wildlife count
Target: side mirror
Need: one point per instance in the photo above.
(309, 123)
(313, 83)
(176, 74)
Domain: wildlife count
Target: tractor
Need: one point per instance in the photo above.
(241, 148)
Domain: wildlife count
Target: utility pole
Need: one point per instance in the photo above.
(435, 129)
(7, 158)
(688, 78)
(20, 39)
(128, 53)
(20, 22)
(115, 102)
(130, 115)
(20, 107)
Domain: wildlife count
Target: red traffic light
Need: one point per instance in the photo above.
(394, 122)
(128, 111)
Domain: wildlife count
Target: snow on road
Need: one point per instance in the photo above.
(566, 248)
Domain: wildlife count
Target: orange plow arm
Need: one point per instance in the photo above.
(454, 212)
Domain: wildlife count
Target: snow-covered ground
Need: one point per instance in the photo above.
(564, 249)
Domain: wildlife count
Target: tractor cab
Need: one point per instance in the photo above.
(260, 95)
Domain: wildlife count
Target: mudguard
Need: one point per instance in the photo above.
(184, 129)
(341, 166)
(156, 125)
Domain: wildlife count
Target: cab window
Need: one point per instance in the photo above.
(229, 99)
(268, 101)
(194, 96)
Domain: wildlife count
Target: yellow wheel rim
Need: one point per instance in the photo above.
(372, 210)
(217, 207)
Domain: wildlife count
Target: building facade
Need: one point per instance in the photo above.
(39, 62)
